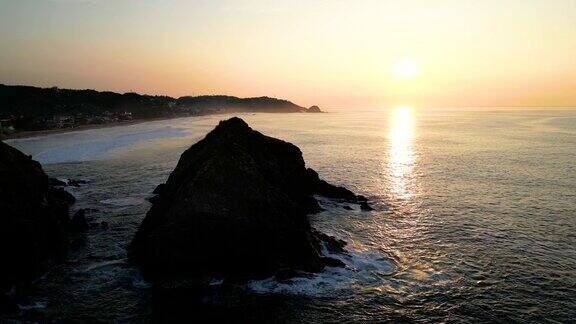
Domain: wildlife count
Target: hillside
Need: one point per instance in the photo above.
(259, 104)
(25, 108)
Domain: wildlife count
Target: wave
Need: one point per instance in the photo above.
(84, 147)
(557, 124)
(123, 202)
(361, 268)
(33, 305)
(104, 264)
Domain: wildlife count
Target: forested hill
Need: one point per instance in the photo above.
(29, 101)
(259, 104)
(32, 108)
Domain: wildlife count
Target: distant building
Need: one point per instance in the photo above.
(125, 115)
(63, 121)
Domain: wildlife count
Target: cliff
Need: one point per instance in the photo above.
(34, 220)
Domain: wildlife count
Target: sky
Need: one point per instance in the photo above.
(339, 53)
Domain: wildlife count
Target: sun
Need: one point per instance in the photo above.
(405, 69)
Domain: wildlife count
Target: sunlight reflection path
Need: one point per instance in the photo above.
(402, 157)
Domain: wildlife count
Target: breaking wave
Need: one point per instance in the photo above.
(85, 146)
(361, 268)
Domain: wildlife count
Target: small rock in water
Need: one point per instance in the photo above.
(314, 109)
(333, 262)
(365, 207)
(76, 183)
(331, 243)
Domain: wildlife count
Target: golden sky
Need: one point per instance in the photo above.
(338, 53)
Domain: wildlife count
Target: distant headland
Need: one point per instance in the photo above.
(27, 110)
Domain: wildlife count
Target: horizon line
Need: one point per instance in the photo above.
(573, 106)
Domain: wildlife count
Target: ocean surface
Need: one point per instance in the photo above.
(474, 220)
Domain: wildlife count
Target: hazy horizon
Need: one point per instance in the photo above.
(332, 54)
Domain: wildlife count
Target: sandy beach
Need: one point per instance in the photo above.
(28, 134)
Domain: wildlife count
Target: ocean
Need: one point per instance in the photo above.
(474, 220)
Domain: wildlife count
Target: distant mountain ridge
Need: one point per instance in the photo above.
(34, 108)
(257, 104)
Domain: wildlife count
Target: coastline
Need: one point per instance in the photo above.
(38, 133)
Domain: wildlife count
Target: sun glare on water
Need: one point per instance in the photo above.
(401, 158)
(402, 126)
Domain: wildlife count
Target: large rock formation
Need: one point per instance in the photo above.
(235, 207)
(33, 218)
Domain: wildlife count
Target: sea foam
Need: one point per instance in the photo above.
(93, 144)
(361, 268)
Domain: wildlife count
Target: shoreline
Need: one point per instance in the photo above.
(38, 133)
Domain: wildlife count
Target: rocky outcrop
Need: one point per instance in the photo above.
(235, 207)
(34, 218)
(79, 223)
(314, 109)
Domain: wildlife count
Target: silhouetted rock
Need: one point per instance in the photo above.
(60, 194)
(285, 274)
(8, 305)
(235, 207)
(79, 223)
(333, 262)
(152, 199)
(159, 189)
(220, 103)
(365, 207)
(76, 182)
(155, 194)
(314, 109)
(71, 182)
(331, 243)
(325, 189)
(33, 218)
(56, 182)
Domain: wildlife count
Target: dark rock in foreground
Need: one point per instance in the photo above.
(235, 207)
(34, 218)
(79, 222)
